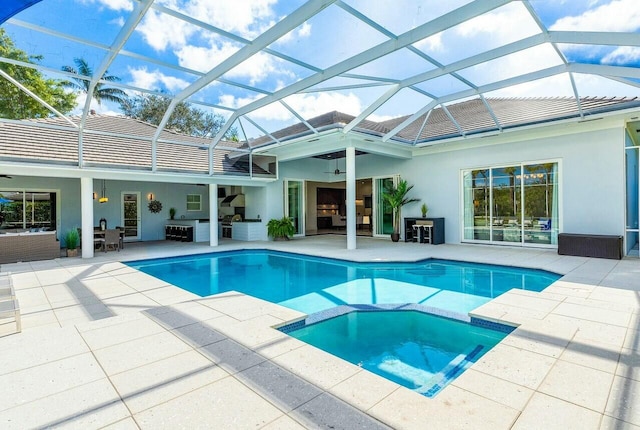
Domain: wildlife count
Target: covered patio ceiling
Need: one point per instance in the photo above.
(269, 64)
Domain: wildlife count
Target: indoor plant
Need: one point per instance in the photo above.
(281, 229)
(396, 197)
(424, 210)
(71, 239)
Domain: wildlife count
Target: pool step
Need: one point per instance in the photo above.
(449, 373)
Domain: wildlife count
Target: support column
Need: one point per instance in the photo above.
(351, 197)
(86, 208)
(213, 214)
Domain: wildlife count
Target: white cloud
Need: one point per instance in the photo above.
(306, 105)
(622, 55)
(203, 58)
(162, 31)
(554, 86)
(431, 44)
(103, 109)
(156, 80)
(244, 17)
(201, 50)
(510, 22)
(618, 15)
(380, 118)
(298, 33)
(126, 5)
(119, 21)
(519, 63)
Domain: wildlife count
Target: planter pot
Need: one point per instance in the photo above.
(395, 237)
(279, 238)
(72, 252)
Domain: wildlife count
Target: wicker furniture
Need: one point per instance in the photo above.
(15, 247)
(590, 245)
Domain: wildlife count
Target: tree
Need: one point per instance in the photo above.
(185, 118)
(100, 92)
(14, 103)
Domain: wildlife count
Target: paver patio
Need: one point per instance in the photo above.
(104, 346)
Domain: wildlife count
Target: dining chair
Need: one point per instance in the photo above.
(112, 239)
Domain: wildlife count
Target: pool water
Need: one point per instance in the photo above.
(420, 351)
(312, 284)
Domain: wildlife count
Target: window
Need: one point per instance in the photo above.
(194, 202)
(25, 209)
(516, 204)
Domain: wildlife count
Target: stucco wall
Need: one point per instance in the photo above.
(592, 194)
(69, 213)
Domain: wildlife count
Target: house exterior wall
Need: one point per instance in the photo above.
(592, 193)
(591, 178)
(69, 213)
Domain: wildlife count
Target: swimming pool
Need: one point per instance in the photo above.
(312, 284)
(420, 351)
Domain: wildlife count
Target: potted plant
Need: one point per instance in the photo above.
(71, 239)
(424, 210)
(281, 229)
(396, 197)
(172, 213)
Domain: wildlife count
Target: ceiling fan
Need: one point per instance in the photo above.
(337, 170)
(5, 176)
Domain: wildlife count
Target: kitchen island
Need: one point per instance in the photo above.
(200, 228)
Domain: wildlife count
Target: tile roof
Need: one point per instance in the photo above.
(114, 141)
(125, 142)
(472, 117)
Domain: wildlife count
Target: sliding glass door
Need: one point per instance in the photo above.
(382, 212)
(515, 204)
(294, 204)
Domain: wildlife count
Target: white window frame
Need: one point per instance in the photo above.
(199, 202)
(520, 164)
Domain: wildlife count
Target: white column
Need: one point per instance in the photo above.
(213, 214)
(351, 197)
(86, 208)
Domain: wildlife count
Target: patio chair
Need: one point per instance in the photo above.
(112, 239)
(121, 236)
(11, 309)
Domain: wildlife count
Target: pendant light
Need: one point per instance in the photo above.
(104, 198)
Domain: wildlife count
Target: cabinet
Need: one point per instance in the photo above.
(324, 213)
(438, 229)
(179, 232)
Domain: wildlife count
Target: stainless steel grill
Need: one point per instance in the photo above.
(227, 224)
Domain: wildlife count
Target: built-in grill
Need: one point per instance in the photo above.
(227, 224)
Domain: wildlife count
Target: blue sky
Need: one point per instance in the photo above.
(332, 36)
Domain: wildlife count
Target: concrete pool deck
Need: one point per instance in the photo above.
(105, 346)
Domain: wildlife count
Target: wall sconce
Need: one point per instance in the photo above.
(150, 196)
(359, 202)
(95, 195)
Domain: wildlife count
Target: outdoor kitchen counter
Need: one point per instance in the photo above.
(249, 230)
(200, 228)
